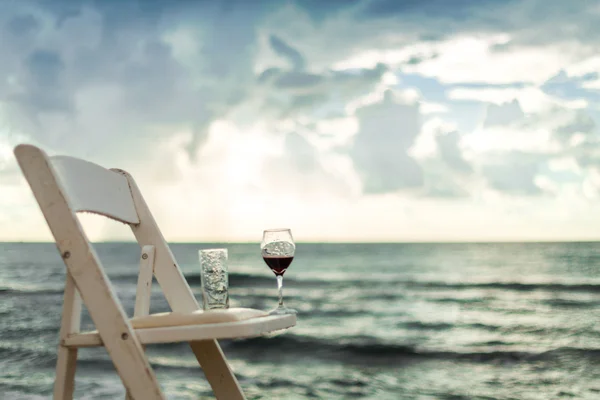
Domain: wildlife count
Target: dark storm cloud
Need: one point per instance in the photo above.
(294, 91)
(530, 22)
(321, 9)
(22, 25)
(57, 53)
(96, 72)
(458, 9)
(288, 52)
(45, 83)
(297, 80)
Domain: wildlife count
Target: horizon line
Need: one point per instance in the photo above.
(511, 241)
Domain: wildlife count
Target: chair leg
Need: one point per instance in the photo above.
(217, 371)
(64, 385)
(66, 362)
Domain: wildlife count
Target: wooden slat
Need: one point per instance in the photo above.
(228, 330)
(83, 266)
(144, 284)
(180, 297)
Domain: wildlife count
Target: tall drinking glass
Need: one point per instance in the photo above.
(278, 248)
(214, 278)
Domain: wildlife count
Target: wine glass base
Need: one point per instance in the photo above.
(283, 311)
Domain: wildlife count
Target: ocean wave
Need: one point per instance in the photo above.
(459, 300)
(294, 348)
(514, 286)
(420, 325)
(249, 280)
(508, 328)
(567, 303)
(103, 363)
(372, 350)
(12, 291)
(493, 343)
(9, 332)
(235, 280)
(39, 358)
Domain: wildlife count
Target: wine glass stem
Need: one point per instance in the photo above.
(280, 288)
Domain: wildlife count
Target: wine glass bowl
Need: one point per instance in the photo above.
(278, 249)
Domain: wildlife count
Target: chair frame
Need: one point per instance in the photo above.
(60, 196)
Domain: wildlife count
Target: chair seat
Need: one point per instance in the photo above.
(241, 328)
(196, 318)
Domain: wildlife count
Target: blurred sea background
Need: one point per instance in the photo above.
(376, 321)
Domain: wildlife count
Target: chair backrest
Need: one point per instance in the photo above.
(92, 188)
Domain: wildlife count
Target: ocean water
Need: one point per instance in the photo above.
(376, 321)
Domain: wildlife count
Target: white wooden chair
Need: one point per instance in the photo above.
(63, 186)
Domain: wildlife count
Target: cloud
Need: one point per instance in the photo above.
(84, 66)
(443, 9)
(478, 59)
(320, 10)
(515, 152)
(513, 173)
(450, 151)
(466, 41)
(295, 92)
(438, 150)
(531, 99)
(288, 52)
(433, 108)
(386, 132)
(503, 114)
(304, 171)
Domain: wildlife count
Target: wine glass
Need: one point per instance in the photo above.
(277, 248)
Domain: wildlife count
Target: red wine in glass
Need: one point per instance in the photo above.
(278, 264)
(278, 249)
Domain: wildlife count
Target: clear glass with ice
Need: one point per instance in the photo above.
(214, 278)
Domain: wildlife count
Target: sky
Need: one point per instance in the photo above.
(344, 120)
